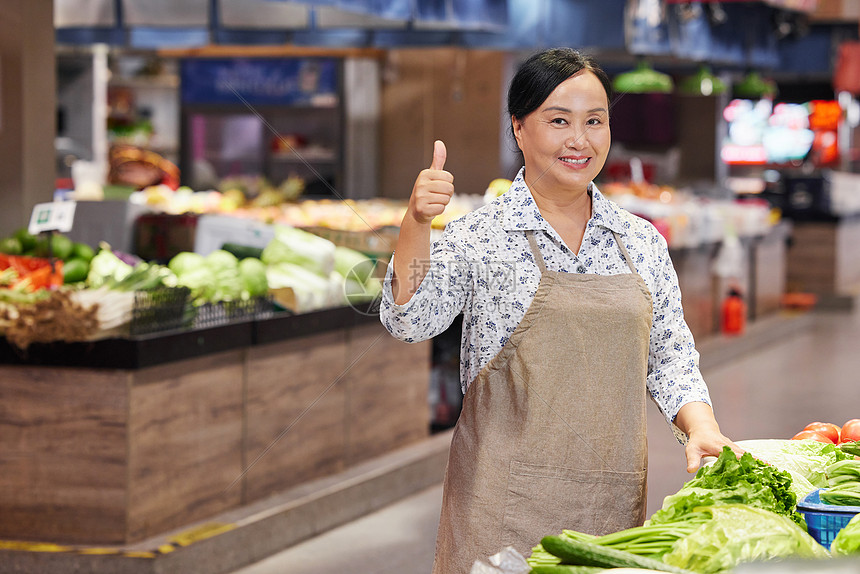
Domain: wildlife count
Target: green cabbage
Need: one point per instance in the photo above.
(252, 274)
(298, 247)
(353, 264)
(106, 267)
(739, 533)
(185, 261)
(220, 260)
(847, 540)
(200, 282)
(224, 266)
(211, 279)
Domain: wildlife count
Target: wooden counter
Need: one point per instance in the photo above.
(118, 440)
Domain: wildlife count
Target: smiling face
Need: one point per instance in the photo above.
(565, 141)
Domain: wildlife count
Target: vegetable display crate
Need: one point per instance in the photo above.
(824, 521)
(161, 309)
(215, 314)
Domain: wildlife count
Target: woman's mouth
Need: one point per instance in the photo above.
(575, 162)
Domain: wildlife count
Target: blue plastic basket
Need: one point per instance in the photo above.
(824, 520)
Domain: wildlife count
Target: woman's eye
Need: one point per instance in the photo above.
(594, 121)
(558, 121)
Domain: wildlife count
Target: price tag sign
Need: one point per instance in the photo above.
(56, 216)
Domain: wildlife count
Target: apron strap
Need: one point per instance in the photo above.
(542, 266)
(624, 253)
(535, 251)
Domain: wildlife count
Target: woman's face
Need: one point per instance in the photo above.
(565, 141)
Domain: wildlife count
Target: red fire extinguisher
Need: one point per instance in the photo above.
(734, 313)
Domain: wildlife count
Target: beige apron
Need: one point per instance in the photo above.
(552, 431)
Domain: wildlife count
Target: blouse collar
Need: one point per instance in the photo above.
(521, 213)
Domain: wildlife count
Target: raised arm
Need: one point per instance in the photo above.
(431, 193)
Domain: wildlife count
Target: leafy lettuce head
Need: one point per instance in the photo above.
(739, 533)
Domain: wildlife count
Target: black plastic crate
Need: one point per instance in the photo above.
(161, 309)
(214, 314)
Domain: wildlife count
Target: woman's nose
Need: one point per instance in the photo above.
(576, 141)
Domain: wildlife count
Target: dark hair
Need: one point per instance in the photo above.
(539, 75)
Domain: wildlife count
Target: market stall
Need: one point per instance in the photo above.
(117, 440)
(142, 397)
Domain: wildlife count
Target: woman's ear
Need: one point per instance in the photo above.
(516, 128)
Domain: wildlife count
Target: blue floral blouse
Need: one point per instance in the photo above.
(482, 267)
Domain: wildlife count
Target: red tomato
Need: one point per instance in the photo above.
(850, 431)
(829, 430)
(813, 435)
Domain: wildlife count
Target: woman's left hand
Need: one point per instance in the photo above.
(707, 442)
(697, 420)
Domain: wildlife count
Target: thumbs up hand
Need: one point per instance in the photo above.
(433, 188)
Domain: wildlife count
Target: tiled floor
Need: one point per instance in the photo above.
(771, 393)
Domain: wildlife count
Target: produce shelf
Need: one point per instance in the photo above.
(221, 407)
(284, 326)
(142, 351)
(131, 353)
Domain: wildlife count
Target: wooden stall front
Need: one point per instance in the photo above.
(118, 440)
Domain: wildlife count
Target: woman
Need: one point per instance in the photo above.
(571, 312)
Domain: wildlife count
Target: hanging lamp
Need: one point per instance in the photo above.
(643, 80)
(754, 87)
(703, 83)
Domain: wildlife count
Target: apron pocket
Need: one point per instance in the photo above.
(543, 500)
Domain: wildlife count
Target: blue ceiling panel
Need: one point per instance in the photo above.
(690, 31)
(648, 27)
(434, 10)
(604, 26)
(685, 30)
(727, 41)
(336, 38)
(425, 38)
(394, 9)
(154, 38)
(812, 53)
(491, 13)
(250, 37)
(760, 38)
(87, 36)
(528, 24)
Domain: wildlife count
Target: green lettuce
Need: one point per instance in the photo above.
(847, 540)
(739, 533)
(729, 480)
(805, 460)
